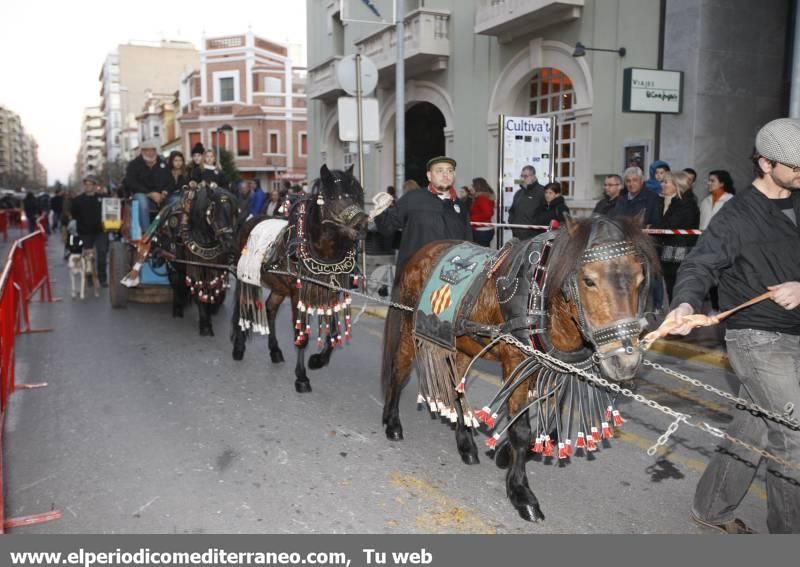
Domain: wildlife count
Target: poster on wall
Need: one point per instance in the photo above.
(523, 140)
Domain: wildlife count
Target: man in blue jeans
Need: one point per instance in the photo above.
(753, 245)
(147, 178)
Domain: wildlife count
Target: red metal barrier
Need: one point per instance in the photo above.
(25, 272)
(4, 225)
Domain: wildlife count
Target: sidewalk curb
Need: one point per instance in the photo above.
(677, 349)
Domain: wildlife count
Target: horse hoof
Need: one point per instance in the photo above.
(177, 313)
(276, 356)
(238, 354)
(205, 332)
(470, 458)
(531, 513)
(302, 387)
(316, 361)
(394, 433)
(210, 331)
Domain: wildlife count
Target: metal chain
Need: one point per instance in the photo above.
(678, 417)
(740, 403)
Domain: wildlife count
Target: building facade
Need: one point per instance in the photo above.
(19, 155)
(92, 147)
(127, 77)
(468, 62)
(247, 96)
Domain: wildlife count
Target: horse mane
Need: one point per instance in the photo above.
(572, 242)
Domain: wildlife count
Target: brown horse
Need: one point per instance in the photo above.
(318, 243)
(592, 296)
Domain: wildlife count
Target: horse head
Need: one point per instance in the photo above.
(217, 211)
(608, 287)
(341, 200)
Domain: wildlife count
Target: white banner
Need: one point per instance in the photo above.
(524, 140)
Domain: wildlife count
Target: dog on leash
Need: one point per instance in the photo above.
(81, 263)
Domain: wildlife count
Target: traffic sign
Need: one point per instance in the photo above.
(348, 119)
(346, 74)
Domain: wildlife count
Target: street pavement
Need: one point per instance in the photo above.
(146, 427)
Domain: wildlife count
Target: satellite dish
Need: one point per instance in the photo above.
(346, 74)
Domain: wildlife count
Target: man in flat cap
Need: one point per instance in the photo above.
(750, 246)
(427, 215)
(148, 179)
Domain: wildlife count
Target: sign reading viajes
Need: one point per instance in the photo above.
(651, 90)
(524, 140)
(368, 11)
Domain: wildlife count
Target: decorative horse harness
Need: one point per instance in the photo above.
(560, 402)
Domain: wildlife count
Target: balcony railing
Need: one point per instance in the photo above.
(225, 42)
(322, 82)
(507, 18)
(427, 43)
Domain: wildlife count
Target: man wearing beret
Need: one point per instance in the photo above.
(148, 179)
(427, 215)
(753, 245)
(86, 210)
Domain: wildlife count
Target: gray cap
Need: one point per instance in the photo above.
(151, 144)
(779, 140)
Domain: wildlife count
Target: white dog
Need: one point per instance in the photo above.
(81, 263)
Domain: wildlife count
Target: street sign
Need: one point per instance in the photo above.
(346, 74)
(368, 11)
(348, 119)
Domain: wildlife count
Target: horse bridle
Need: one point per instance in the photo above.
(210, 217)
(625, 330)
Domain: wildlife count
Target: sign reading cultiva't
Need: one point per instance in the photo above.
(651, 90)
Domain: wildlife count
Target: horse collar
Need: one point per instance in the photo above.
(319, 266)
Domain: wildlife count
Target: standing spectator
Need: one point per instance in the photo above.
(526, 202)
(196, 167)
(677, 212)
(274, 204)
(720, 191)
(31, 206)
(482, 210)
(633, 201)
(410, 185)
(692, 176)
(259, 197)
(752, 245)
(554, 207)
(86, 210)
(245, 195)
(148, 180)
(57, 206)
(427, 215)
(612, 186)
(657, 170)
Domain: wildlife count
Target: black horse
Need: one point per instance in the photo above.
(198, 231)
(318, 243)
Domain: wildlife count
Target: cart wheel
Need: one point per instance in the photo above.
(120, 264)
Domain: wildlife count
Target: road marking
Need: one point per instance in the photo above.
(442, 514)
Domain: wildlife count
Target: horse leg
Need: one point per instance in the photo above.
(398, 354)
(238, 336)
(178, 285)
(273, 304)
(519, 437)
(465, 440)
(205, 320)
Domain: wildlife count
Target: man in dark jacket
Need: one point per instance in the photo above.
(527, 201)
(32, 211)
(753, 245)
(612, 187)
(147, 178)
(57, 206)
(633, 200)
(86, 210)
(427, 215)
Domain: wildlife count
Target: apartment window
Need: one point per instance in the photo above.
(226, 89)
(223, 142)
(273, 142)
(273, 85)
(302, 144)
(552, 94)
(243, 143)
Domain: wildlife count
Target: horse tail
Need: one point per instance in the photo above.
(237, 328)
(391, 342)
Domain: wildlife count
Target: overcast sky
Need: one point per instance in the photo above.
(51, 52)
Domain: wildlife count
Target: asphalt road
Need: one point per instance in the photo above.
(146, 427)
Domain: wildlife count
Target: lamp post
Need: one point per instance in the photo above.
(580, 50)
(223, 128)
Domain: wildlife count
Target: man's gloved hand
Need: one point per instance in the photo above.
(382, 201)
